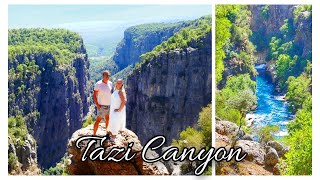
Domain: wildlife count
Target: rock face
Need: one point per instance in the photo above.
(26, 154)
(141, 39)
(134, 167)
(276, 16)
(227, 128)
(269, 25)
(281, 150)
(304, 32)
(54, 102)
(166, 94)
(272, 157)
(255, 151)
(260, 159)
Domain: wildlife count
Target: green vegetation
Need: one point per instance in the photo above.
(265, 12)
(299, 89)
(26, 46)
(266, 133)
(235, 94)
(22, 81)
(102, 47)
(302, 8)
(123, 74)
(222, 36)
(13, 163)
(299, 158)
(236, 98)
(284, 63)
(232, 32)
(140, 31)
(62, 44)
(99, 64)
(59, 169)
(287, 29)
(287, 52)
(293, 71)
(17, 129)
(88, 122)
(32, 55)
(181, 39)
(198, 138)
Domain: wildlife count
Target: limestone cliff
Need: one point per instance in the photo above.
(270, 24)
(166, 93)
(141, 39)
(51, 94)
(266, 22)
(136, 166)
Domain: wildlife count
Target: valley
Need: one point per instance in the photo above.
(51, 77)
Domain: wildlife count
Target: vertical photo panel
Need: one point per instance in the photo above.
(263, 104)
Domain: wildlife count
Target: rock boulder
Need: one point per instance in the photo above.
(134, 167)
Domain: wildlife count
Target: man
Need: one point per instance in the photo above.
(102, 99)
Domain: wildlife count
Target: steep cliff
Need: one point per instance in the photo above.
(267, 20)
(143, 38)
(48, 76)
(168, 88)
(235, 53)
(282, 29)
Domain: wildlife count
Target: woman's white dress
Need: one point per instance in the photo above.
(117, 121)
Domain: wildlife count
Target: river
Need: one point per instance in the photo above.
(271, 109)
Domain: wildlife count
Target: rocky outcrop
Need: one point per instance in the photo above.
(26, 156)
(260, 159)
(166, 94)
(303, 37)
(143, 38)
(54, 100)
(271, 71)
(135, 166)
(272, 157)
(281, 150)
(255, 152)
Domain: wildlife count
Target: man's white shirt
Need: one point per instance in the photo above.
(104, 92)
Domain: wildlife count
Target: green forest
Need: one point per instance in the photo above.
(238, 94)
(140, 32)
(61, 42)
(236, 45)
(182, 39)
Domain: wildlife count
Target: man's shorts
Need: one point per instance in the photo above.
(103, 111)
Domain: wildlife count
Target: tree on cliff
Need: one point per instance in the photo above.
(200, 137)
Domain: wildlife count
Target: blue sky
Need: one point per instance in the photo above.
(100, 25)
(69, 15)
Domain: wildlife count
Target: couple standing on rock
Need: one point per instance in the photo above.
(110, 104)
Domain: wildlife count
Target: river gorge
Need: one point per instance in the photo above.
(272, 109)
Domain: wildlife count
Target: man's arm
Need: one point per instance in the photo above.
(95, 99)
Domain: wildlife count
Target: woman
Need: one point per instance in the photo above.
(117, 120)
